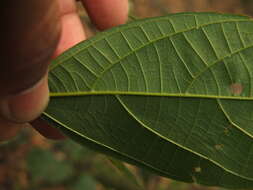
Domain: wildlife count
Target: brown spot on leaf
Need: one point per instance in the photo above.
(226, 131)
(236, 88)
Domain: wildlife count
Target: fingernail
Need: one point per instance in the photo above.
(28, 105)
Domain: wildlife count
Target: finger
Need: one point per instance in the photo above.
(107, 13)
(72, 33)
(27, 105)
(30, 35)
(72, 28)
(25, 50)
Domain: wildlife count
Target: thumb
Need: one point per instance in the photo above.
(30, 36)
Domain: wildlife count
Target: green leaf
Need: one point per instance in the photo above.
(172, 94)
(43, 166)
(85, 182)
(125, 172)
(76, 152)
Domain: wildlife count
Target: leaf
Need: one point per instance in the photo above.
(85, 182)
(76, 152)
(42, 166)
(172, 94)
(125, 172)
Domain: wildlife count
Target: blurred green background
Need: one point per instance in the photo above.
(31, 162)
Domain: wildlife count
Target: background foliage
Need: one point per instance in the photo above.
(31, 162)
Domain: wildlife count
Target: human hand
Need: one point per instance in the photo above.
(24, 90)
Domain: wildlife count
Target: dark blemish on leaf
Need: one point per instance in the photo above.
(236, 88)
(226, 131)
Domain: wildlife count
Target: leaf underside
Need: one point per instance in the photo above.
(171, 94)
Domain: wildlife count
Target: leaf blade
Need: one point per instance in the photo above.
(192, 62)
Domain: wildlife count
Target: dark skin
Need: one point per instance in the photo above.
(25, 101)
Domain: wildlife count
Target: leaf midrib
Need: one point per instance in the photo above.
(127, 93)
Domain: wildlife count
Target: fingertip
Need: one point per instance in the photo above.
(107, 13)
(27, 105)
(72, 32)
